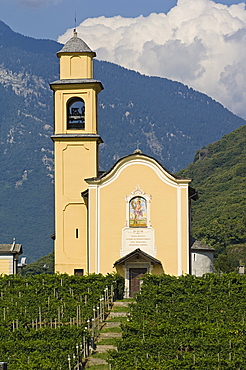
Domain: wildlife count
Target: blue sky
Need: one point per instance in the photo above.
(51, 18)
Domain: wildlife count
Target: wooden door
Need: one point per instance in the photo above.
(134, 279)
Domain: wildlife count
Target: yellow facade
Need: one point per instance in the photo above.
(6, 265)
(169, 214)
(133, 218)
(9, 258)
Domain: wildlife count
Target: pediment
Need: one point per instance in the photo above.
(140, 160)
(138, 255)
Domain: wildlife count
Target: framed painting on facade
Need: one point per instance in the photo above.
(138, 212)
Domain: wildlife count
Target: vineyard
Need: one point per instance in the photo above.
(185, 323)
(49, 322)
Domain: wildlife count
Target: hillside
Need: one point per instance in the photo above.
(169, 120)
(44, 264)
(219, 173)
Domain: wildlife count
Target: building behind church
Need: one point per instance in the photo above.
(132, 219)
(9, 258)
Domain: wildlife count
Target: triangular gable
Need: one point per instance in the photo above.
(138, 156)
(137, 252)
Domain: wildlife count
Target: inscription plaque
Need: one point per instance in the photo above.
(138, 238)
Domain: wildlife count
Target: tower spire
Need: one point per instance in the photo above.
(75, 34)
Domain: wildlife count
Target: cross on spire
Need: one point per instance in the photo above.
(137, 144)
(75, 25)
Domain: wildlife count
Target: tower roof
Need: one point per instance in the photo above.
(198, 245)
(75, 45)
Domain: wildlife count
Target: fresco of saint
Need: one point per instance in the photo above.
(138, 212)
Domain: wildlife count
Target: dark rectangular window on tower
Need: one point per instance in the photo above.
(76, 233)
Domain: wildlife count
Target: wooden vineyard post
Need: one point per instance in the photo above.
(112, 293)
(69, 362)
(84, 343)
(101, 308)
(59, 316)
(98, 317)
(40, 317)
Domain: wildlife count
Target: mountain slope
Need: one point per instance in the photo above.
(219, 173)
(169, 120)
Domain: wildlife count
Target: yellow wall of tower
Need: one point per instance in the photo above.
(75, 152)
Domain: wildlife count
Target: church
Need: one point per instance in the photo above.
(133, 218)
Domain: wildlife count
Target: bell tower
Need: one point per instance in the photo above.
(76, 143)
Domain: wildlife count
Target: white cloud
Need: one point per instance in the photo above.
(199, 42)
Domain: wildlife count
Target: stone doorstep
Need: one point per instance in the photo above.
(109, 335)
(121, 304)
(117, 314)
(102, 348)
(96, 361)
(112, 324)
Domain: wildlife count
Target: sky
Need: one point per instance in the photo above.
(201, 43)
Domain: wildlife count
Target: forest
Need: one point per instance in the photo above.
(219, 216)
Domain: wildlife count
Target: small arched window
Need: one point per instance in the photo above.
(76, 114)
(138, 212)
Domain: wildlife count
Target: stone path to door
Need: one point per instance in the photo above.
(108, 336)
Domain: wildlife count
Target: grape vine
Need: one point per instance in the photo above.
(185, 323)
(46, 320)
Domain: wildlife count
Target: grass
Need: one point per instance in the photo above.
(103, 355)
(120, 309)
(98, 367)
(117, 319)
(113, 341)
